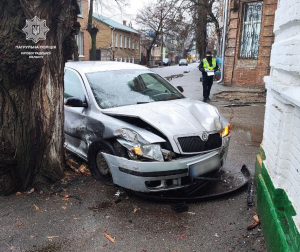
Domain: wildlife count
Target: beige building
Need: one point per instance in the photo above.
(116, 41)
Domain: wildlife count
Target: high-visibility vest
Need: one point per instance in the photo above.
(207, 66)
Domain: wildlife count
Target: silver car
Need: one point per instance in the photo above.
(137, 131)
(183, 62)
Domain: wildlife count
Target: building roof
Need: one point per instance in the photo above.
(113, 23)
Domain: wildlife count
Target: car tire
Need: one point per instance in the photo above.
(97, 163)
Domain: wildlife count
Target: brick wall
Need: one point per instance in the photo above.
(248, 72)
(106, 39)
(281, 140)
(83, 20)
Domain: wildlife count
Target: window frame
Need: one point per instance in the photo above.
(121, 41)
(78, 36)
(251, 23)
(81, 82)
(116, 40)
(79, 2)
(125, 42)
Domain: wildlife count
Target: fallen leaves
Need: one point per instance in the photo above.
(52, 237)
(30, 191)
(83, 169)
(66, 197)
(135, 210)
(64, 208)
(36, 207)
(18, 193)
(254, 223)
(33, 236)
(20, 224)
(108, 237)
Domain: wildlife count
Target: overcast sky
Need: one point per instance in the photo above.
(128, 13)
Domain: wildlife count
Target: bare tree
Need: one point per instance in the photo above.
(31, 93)
(205, 12)
(158, 20)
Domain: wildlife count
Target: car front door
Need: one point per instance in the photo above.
(75, 117)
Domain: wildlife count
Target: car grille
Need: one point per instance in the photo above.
(195, 144)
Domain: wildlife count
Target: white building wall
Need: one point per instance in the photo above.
(281, 140)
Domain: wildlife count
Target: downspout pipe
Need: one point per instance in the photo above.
(224, 40)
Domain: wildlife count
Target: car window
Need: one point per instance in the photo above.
(73, 85)
(129, 87)
(154, 83)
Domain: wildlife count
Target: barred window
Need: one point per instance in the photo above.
(252, 13)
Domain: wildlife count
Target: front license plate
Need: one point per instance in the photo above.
(205, 166)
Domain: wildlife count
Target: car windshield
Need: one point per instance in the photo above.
(128, 87)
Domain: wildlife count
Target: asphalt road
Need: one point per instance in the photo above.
(43, 222)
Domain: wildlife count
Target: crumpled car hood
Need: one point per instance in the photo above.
(175, 117)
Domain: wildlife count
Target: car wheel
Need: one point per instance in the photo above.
(97, 163)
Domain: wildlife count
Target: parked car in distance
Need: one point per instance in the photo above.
(166, 62)
(183, 62)
(136, 130)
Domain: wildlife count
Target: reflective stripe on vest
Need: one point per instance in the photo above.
(206, 65)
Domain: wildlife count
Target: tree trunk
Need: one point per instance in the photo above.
(93, 32)
(148, 57)
(201, 31)
(31, 91)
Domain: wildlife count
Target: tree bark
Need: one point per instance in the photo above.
(201, 31)
(31, 92)
(92, 31)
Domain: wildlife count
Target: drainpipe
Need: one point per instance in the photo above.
(224, 40)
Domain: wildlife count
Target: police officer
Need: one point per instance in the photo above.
(208, 66)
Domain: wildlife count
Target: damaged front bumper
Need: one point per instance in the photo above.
(162, 176)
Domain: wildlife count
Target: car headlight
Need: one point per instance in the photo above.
(226, 131)
(138, 145)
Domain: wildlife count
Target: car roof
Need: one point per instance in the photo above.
(99, 66)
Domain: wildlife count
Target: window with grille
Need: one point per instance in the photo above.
(79, 40)
(252, 13)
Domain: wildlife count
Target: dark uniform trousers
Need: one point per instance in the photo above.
(207, 83)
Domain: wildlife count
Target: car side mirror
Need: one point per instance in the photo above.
(180, 89)
(75, 102)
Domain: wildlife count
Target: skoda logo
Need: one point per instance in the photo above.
(204, 136)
